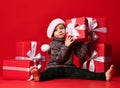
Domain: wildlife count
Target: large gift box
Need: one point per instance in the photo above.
(98, 29)
(28, 50)
(100, 59)
(20, 69)
(76, 27)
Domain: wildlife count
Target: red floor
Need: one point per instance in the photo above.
(61, 83)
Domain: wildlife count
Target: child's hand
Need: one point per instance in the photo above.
(69, 40)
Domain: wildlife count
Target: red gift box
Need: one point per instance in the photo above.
(98, 29)
(76, 27)
(101, 58)
(19, 69)
(28, 50)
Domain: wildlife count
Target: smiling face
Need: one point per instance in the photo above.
(59, 31)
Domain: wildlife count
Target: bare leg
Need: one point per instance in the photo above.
(35, 73)
(110, 72)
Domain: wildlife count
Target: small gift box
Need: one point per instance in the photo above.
(19, 69)
(28, 50)
(100, 59)
(98, 29)
(76, 27)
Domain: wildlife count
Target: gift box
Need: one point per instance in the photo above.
(19, 69)
(76, 27)
(97, 28)
(28, 50)
(101, 58)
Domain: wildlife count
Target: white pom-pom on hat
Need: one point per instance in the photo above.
(52, 26)
(45, 47)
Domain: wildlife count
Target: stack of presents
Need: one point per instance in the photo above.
(29, 54)
(94, 29)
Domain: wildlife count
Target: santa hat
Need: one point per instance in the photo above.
(45, 47)
(52, 26)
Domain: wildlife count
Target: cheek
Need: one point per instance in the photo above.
(64, 31)
(55, 33)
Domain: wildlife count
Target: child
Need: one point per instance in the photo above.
(61, 57)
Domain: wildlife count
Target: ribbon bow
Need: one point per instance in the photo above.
(92, 25)
(93, 58)
(71, 28)
(32, 53)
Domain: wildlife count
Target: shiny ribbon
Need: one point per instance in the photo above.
(27, 58)
(32, 53)
(93, 58)
(16, 68)
(92, 25)
(71, 28)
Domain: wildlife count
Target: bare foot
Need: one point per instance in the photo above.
(110, 72)
(35, 72)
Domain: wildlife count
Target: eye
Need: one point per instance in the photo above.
(56, 29)
(61, 27)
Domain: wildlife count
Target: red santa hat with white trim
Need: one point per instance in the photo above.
(50, 30)
(52, 26)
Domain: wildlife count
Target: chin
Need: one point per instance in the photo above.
(61, 37)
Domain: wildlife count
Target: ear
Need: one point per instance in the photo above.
(45, 47)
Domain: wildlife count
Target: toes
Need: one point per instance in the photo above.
(33, 67)
(112, 66)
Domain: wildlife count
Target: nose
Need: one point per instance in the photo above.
(60, 31)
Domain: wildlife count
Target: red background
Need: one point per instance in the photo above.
(22, 20)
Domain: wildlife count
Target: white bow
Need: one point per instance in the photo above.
(92, 25)
(71, 28)
(32, 53)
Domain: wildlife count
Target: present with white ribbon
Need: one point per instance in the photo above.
(98, 29)
(100, 60)
(33, 52)
(76, 27)
(18, 69)
(29, 50)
